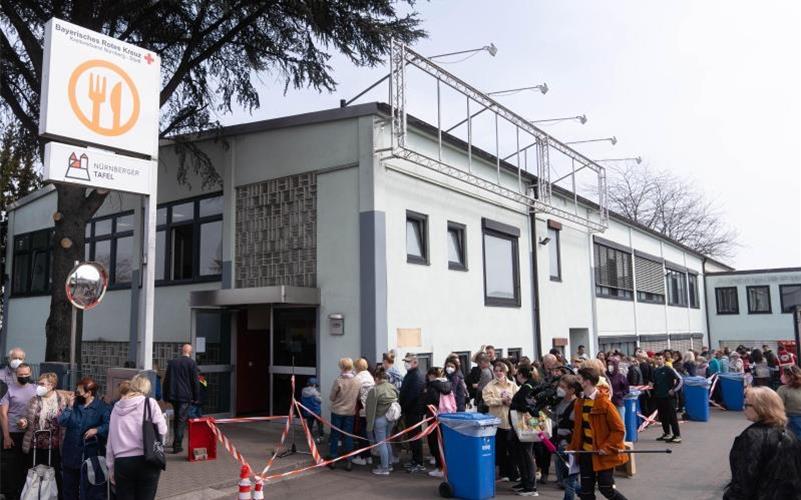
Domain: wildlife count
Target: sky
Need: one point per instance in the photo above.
(709, 90)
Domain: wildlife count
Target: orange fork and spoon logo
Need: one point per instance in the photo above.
(122, 101)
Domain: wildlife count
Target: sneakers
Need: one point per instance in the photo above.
(436, 473)
(432, 460)
(674, 439)
(518, 486)
(503, 479)
(416, 468)
(664, 437)
(528, 493)
(378, 471)
(359, 461)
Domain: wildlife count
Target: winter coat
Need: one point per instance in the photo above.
(411, 392)
(379, 399)
(754, 475)
(607, 432)
(459, 389)
(434, 389)
(492, 397)
(635, 375)
(310, 398)
(77, 419)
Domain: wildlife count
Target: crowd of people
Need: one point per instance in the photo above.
(76, 432)
(582, 398)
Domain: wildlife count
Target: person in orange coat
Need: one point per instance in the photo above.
(598, 428)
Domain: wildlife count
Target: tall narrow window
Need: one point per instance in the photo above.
(692, 281)
(726, 300)
(613, 273)
(790, 297)
(182, 246)
(758, 299)
(457, 253)
(32, 263)
(501, 266)
(676, 287)
(416, 238)
(554, 257)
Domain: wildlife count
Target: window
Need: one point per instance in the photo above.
(424, 362)
(676, 287)
(790, 296)
(554, 258)
(457, 250)
(189, 240)
(692, 281)
(613, 276)
(758, 299)
(515, 353)
(109, 241)
(501, 266)
(464, 361)
(650, 280)
(416, 238)
(726, 300)
(32, 256)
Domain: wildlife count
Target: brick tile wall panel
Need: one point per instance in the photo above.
(276, 242)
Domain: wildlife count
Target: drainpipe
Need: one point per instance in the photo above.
(535, 286)
(706, 305)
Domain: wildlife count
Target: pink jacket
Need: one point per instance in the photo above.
(125, 428)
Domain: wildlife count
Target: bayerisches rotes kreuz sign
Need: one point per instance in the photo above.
(99, 91)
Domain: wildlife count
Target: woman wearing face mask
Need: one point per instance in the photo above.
(42, 415)
(13, 410)
(564, 418)
(497, 395)
(456, 378)
(86, 428)
(619, 385)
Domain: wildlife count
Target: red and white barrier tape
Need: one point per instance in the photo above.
(229, 447)
(310, 441)
(283, 436)
(247, 419)
(327, 423)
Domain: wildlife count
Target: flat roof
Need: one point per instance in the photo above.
(758, 271)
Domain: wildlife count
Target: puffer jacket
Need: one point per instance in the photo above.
(765, 465)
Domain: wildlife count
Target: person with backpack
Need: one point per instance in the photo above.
(438, 393)
(380, 399)
(765, 458)
(497, 395)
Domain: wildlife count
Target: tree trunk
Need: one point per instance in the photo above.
(76, 210)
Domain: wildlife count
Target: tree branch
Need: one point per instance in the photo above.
(26, 36)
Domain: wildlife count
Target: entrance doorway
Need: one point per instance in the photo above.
(294, 350)
(213, 355)
(252, 361)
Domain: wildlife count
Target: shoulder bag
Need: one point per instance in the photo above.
(152, 440)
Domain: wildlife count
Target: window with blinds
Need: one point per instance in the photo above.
(650, 280)
(676, 288)
(613, 273)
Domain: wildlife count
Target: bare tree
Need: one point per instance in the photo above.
(667, 203)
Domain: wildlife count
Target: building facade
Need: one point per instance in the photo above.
(315, 246)
(752, 307)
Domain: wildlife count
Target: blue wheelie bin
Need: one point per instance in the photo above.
(731, 386)
(469, 441)
(696, 398)
(632, 422)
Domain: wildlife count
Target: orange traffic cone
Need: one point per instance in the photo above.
(244, 483)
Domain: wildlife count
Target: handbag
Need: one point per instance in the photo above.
(393, 413)
(40, 484)
(527, 428)
(93, 464)
(152, 442)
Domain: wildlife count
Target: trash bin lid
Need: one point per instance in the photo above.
(732, 376)
(470, 424)
(696, 381)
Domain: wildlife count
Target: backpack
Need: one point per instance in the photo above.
(393, 413)
(447, 403)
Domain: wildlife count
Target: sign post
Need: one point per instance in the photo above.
(100, 108)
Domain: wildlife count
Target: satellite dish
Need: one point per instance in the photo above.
(86, 285)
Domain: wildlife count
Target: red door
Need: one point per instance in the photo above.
(252, 374)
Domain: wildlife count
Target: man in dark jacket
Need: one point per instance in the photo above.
(410, 400)
(181, 389)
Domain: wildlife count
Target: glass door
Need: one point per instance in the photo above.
(294, 350)
(212, 344)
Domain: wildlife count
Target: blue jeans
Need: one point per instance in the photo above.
(381, 429)
(794, 424)
(569, 481)
(344, 422)
(622, 411)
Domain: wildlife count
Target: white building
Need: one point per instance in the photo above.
(752, 307)
(316, 247)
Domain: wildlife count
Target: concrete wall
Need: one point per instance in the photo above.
(745, 327)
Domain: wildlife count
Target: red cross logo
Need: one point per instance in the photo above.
(149, 58)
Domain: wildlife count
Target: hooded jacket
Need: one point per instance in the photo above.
(125, 428)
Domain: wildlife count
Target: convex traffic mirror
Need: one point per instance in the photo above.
(86, 285)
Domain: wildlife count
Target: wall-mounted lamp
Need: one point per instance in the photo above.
(545, 240)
